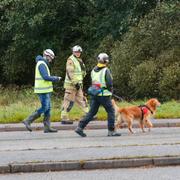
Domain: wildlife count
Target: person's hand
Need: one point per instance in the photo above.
(59, 78)
(77, 86)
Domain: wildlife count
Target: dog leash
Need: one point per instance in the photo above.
(122, 99)
(118, 97)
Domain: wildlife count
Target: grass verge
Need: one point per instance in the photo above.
(16, 104)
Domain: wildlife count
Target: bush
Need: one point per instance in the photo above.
(169, 85)
(151, 46)
(143, 80)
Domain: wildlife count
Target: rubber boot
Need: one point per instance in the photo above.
(27, 122)
(47, 128)
(80, 132)
(113, 133)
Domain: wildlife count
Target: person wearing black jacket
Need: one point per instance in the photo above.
(102, 82)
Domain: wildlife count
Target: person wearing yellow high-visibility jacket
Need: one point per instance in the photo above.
(101, 91)
(43, 88)
(75, 73)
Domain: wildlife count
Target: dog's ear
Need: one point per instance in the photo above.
(154, 102)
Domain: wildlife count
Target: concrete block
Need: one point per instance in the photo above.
(120, 163)
(174, 124)
(45, 167)
(166, 161)
(4, 169)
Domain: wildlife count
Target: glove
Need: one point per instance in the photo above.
(77, 86)
(60, 78)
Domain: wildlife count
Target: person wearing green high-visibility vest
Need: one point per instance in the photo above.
(43, 88)
(75, 73)
(101, 91)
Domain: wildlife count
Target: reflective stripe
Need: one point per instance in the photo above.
(44, 88)
(39, 79)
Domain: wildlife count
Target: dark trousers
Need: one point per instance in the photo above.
(96, 101)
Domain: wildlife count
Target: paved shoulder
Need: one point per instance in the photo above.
(91, 125)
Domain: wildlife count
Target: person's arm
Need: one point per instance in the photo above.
(83, 68)
(70, 71)
(109, 80)
(44, 73)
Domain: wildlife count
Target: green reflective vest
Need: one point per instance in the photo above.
(41, 85)
(78, 74)
(99, 77)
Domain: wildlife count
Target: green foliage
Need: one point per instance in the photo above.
(143, 80)
(18, 103)
(29, 26)
(169, 109)
(145, 51)
(170, 83)
(132, 32)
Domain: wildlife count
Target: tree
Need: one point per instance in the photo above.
(154, 37)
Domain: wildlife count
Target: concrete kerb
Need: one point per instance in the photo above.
(120, 163)
(45, 167)
(93, 125)
(165, 161)
(4, 169)
(174, 124)
(89, 164)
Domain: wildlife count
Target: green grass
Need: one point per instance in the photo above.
(16, 104)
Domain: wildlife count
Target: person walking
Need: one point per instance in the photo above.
(43, 88)
(75, 73)
(101, 91)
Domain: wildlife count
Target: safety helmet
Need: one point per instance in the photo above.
(50, 53)
(77, 48)
(103, 58)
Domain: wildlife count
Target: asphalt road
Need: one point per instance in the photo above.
(23, 147)
(151, 173)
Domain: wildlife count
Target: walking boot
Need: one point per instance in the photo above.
(113, 133)
(80, 132)
(47, 128)
(27, 122)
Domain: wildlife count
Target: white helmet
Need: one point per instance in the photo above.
(77, 48)
(50, 53)
(103, 58)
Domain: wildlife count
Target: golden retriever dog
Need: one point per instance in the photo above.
(141, 113)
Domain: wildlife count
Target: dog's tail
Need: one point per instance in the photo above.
(119, 119)
(115, 105)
